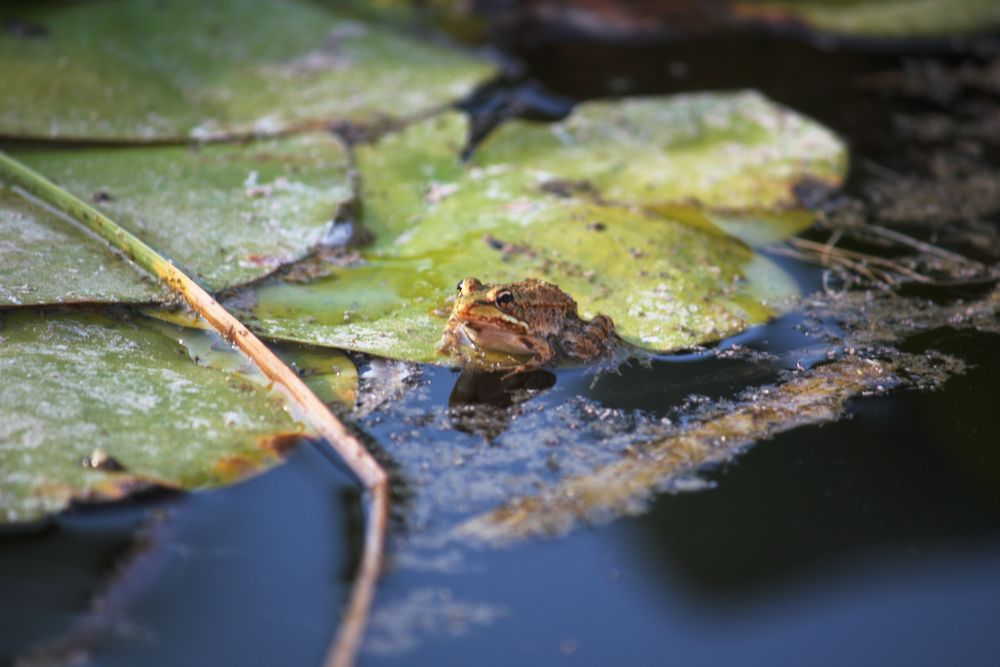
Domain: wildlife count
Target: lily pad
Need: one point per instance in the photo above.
(226, 214)
(76, 383)
(46, 258)
(329, 373)
(565, 214)
(883, 18)
(152, 70)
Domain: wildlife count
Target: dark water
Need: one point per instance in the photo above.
(252, 574)
(874, 540)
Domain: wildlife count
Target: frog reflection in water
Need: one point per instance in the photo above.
(533, 323)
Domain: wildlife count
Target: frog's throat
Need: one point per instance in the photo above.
(499, 340)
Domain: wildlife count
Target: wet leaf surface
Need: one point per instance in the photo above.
(33, 238)
(653, 254)
(150, 70)
(93, 407)
(329, 373)
(226, 214)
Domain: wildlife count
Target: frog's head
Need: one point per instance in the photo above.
(487, 319)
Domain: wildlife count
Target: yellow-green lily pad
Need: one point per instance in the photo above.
(92, 408)
(154, 70)
(578, 221)
(719, 151)
(226, 214)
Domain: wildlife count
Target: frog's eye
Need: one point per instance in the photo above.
(504, 298)
(459, 286)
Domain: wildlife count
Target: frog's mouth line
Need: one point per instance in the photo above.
(483, 337)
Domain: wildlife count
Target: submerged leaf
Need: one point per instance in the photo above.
(654, 255)
(152, 70)
(78, 383)
(227, 214)
(623, 487)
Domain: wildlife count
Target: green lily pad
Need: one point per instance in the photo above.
(521, 212)
(76, 383)
(885, 18)
(226, 214)
(329, 373)
(46, 258)
(154, 70)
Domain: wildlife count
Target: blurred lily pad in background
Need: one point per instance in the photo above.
(561, 202)
(225, 213)
(154, 70)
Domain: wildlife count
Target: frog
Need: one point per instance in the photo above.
(532, 323)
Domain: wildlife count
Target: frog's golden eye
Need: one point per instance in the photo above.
(504, 298)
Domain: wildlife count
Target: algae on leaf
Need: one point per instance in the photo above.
(720, 151)
(226, 214)
(559, 202)
(75, 383)
(328, 373)
(46, 258)
(154, 70)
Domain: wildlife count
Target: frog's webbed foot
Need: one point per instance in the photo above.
(517, 370)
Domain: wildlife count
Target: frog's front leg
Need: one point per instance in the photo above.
(594, 339)
(541, 351)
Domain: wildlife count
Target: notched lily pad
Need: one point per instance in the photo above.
(46, 258)
(182, 69)
(658, 258)
(226, 214)
(78, 383)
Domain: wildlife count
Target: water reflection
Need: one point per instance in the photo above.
(479, 400)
